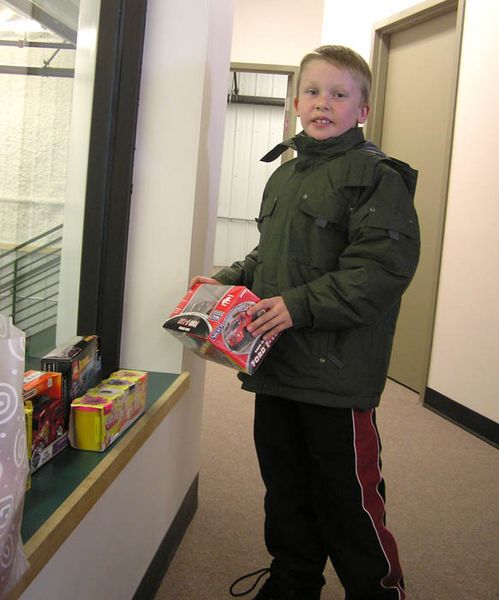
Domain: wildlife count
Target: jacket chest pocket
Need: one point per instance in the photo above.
(267, 209)
(266, 224)
(321, 227)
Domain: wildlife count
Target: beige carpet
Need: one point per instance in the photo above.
(442, 502)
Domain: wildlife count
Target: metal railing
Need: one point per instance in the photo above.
(29, 281)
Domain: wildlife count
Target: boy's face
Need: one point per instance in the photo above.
(329, 100)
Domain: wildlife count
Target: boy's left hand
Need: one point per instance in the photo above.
(273, 320)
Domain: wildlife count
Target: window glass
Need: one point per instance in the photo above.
(38, 59)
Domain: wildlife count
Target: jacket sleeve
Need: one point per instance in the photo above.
(240, 272)
(375, 267)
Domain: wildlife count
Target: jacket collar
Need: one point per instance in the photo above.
(309, 148)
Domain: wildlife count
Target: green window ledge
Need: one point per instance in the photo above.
(64, 490)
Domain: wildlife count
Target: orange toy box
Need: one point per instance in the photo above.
(211, 320)
(42, 394)
(104, 412)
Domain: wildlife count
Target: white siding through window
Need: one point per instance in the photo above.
(250, 131)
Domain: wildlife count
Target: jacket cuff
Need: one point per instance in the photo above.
(227, 276)
(297, 305)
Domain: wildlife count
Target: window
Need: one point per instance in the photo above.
(37, 69)
(68, 158)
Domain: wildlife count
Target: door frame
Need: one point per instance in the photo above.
(110, 173)
(289, 128)
(382, 33)
(379, 56)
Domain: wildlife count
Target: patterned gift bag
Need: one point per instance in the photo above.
(13, 454)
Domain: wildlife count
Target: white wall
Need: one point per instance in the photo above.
(208, 179)
(108, 553)
(465, 356)
(212, 138)
(164, 181)
(176, 176)
(275, 31)
(351, 23)
(167, 160)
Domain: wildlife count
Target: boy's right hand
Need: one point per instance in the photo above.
(201, 279)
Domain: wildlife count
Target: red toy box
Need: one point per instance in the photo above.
(42, 395)
(211, 321)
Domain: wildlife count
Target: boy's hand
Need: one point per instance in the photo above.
(275, 319)
(201, 279)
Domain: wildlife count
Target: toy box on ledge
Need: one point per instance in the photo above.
(78, 361)
(105, 411)
(211, 320)
(44, 411)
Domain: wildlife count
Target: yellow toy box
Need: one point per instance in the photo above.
(101, 415)
(136, 383)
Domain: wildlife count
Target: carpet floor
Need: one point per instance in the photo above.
(442, 502)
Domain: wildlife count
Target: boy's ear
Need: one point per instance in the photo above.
(295, 104)
(363, 113)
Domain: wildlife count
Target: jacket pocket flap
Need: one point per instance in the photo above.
(324, 211)
(394, 223)
(267, 207)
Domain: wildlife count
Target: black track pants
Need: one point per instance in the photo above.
(325, 498)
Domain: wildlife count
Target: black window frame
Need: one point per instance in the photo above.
(110, 172)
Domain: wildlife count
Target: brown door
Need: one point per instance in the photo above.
(419, 96)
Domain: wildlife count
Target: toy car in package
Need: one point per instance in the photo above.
(44, 411)
(79, 362)
(212, 320)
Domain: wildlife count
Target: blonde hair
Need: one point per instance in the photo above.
(343, 58)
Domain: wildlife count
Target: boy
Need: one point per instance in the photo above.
(339, 244)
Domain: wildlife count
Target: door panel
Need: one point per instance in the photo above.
(417, 121)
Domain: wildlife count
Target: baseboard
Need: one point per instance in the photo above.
(159, 565)
(477, 424)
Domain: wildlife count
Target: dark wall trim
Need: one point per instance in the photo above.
(477, 424)
(159, 565)
(20, 43)
(110, 171)
(255, 100)
(37, 71)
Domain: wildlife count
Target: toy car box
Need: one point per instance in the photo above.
(78, 360)
(135, 382)
(104, 412)
(28, 417)
(44, 407)
(212, 320)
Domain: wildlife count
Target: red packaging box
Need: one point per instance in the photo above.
(211, 321)
(42, 395)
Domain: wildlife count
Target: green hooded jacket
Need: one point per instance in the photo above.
(339, 241)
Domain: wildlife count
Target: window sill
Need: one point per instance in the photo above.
(66, 488)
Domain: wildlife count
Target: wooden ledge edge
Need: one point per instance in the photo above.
(45, 542)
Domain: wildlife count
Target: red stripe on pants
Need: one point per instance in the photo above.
(368, 473)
